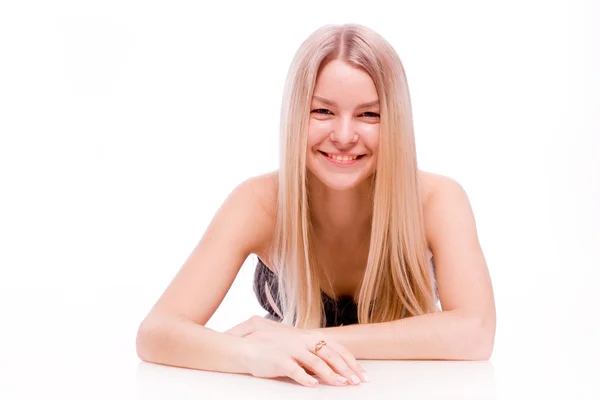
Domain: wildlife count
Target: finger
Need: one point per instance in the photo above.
(321, 369)
(297, 373)
(308, 370)
(349, 359)
(338, 364)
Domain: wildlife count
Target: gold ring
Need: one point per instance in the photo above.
(320, 345)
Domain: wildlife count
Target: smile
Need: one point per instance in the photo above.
(342, 160)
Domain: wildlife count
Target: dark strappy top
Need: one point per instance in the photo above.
(340, 311)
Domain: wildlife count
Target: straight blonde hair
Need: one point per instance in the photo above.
(398, 280)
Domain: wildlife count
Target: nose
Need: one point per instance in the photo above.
(343, 132)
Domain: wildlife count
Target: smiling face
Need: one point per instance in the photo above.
(343, 133)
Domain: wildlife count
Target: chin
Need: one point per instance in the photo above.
(343, 184)
(341, 181)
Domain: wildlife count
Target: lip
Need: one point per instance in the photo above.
(340, 163)
(342, 154)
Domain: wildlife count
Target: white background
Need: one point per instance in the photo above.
(125, 124)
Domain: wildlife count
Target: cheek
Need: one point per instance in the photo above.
(320, 125)
(375, 143)
(318, 131)
(371, 137)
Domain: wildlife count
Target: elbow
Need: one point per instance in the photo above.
(142, 345)
(475, 340)
(482, 353)
(147, 338)
(481, 339)
(154, 336)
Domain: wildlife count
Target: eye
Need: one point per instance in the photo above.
(371, 115)
(319, 111)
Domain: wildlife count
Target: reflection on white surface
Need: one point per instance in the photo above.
(406, 379)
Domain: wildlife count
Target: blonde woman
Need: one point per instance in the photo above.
(361, 254)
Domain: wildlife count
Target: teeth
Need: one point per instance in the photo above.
(342, 158)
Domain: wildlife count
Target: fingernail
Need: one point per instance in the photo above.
(313, 381)
(355, 379)
(365, 377)
(341, 379)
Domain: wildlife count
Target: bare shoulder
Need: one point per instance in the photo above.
(264, 189)
(438, 188)
(445, 203)
(429, 183)
(263, 192)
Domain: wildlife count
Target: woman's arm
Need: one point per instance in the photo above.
(446, 335)
(466, 328)
(173, 333)
(171, 340)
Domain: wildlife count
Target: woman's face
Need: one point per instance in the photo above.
(344, 123)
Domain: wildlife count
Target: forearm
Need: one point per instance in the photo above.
(183, 343)
(445, 335)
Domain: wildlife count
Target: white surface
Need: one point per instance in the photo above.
(81, 344)
(124, 124)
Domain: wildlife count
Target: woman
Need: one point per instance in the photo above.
(346, 233)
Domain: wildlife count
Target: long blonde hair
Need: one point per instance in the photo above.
(398, 281)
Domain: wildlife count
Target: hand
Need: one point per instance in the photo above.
(277, 350)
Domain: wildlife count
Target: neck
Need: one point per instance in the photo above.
(340, 216)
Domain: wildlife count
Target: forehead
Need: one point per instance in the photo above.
(339, 81)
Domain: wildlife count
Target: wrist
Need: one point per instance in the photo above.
(247, 351)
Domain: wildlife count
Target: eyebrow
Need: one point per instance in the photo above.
(333, 103)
